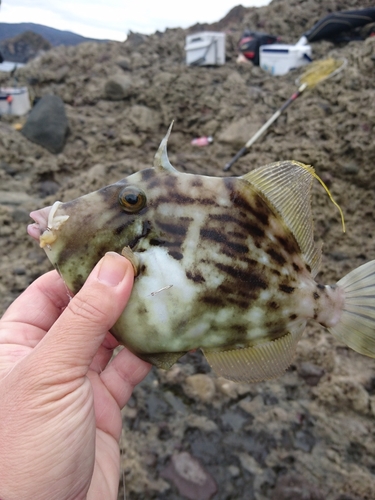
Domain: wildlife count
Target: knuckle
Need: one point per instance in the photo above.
(87, 310)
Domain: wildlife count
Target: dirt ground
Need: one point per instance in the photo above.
(309, 435)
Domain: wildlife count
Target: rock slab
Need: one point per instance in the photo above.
(47, 124)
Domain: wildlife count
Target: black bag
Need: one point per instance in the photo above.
(250, 43)
(331, 26)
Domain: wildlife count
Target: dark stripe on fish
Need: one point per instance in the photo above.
(250, 278)
(258, 208)
(179, 199)
(276, 256)
(175, 229)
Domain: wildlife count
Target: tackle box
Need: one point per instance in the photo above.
(278, 58)
(206, 48)
(14, 101)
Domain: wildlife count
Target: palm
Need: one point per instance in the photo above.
(79, 409)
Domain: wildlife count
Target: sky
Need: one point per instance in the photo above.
(113, 19)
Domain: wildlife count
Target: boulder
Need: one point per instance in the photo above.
(47, 124)
(118, 87)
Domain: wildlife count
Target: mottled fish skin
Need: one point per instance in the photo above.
(235, 272)
(223, 264)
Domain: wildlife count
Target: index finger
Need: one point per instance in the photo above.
(38, 306)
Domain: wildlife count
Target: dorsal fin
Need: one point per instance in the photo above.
(256, 363)
(161, 160)
(287, 185)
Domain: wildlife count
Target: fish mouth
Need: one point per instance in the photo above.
(47, 224)
(40, 224)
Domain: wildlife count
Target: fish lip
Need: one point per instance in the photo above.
(40, 222)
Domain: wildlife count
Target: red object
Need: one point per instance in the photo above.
(9, 99)
(202, 141)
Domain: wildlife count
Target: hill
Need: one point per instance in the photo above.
(23, 47)
(53, 36)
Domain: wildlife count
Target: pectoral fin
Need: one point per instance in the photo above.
(132, 257)
(256, 363)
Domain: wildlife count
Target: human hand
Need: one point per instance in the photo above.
(60, 398)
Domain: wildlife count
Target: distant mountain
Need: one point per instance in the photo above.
(23, 47)
(53, 36)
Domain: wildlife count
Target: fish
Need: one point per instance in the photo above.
(222, 264)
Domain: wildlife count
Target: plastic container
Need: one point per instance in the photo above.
(14, 101)
(278, 59)
(206, 48)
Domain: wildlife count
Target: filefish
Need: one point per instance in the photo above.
(227, 265)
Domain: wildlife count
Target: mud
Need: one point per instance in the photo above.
(310, 434)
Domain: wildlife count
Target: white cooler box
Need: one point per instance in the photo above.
(14, 101)
(278, 59)
(205, 49)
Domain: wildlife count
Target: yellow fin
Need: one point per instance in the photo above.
(256, 363)
(356, 327)
(287, 185)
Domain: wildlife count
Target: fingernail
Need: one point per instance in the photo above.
(112, 269)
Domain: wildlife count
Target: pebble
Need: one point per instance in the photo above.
(191, 479)
(254, 406)
(201, 422)
(232, 389)
(351, 168)
(200, 387)
(293, 487)
(310, 373)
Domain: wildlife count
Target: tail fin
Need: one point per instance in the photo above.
(356, 327)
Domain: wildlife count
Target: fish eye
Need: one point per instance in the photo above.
(132, 199)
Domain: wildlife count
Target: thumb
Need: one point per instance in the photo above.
(72, 342)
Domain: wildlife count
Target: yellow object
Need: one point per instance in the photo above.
(18, 126)
(318, 71)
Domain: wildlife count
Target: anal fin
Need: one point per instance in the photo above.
(256, 363)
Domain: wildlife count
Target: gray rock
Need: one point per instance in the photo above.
(47, 124)
(118, 87)
(295, 487)
(20, 215)
(16, 198)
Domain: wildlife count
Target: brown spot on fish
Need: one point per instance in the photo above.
(293, 317)
(286, 288)
(196, 182)
(175, 254)
(273, 305)
(316, 296)
(147, 174)
(196, 277)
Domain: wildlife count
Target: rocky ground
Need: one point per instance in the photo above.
(188, 435)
